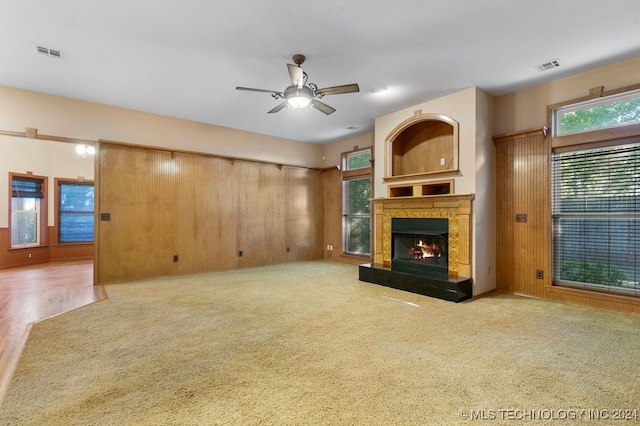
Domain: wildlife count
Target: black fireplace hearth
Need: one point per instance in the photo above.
(447, 287)
(419, 261)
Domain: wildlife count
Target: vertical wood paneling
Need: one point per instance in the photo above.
(523, 187)
(419, 148)
(205, 234)
(332, 197)
(304, 215)
(203, 210)
(260, 214)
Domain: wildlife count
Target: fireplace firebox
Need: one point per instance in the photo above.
(420, 246)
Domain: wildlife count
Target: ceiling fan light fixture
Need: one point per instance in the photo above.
(298, 98)
(300, 95)
(298, 101)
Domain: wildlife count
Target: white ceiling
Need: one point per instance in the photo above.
(184, 58)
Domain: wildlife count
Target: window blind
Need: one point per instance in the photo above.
(24, 187)
(76, 213)
(596, 218)
(356, 205)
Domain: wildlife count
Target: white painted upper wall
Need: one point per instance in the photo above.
(57, 116)
(42, 158)
(527, 109)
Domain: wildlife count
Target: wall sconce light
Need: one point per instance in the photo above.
(85, 150)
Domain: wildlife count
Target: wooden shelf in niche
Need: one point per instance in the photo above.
(443, 187)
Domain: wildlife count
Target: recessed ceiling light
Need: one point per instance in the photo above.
(352, 128)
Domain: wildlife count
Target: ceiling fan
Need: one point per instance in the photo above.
(300, 94)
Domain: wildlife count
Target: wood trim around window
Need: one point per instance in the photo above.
(592, 138)
(56, 208)
(44, 204)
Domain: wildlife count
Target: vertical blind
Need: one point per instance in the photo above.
(596, 218)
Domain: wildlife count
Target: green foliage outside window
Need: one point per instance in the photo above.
(592, 272)
(600, 116)
(358, 160)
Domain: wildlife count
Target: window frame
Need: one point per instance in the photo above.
(58, 214)
(349, 174)
(593, 102)
(42, 216)
(592, 139)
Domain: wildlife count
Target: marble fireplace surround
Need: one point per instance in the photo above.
(456, 208)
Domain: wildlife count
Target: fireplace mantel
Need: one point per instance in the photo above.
(455, 207)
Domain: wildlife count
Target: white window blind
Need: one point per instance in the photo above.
(596, 218)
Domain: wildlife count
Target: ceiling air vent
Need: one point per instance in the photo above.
(52, 53)
(554, 63)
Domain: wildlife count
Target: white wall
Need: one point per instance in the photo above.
(484, 205)
(43, 158)
(57, 116)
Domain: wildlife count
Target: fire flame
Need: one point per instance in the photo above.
(426, 250)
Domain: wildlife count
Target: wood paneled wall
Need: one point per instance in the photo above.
(14, 258)
(523, 187)
(523, 248)
(204, 210)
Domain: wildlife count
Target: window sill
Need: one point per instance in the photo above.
(72, 244)
(364, 257)
(593, 294)
(29, 247)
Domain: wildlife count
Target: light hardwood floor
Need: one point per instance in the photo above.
(31, 294)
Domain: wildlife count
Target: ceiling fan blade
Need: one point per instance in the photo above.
(249, 89)
(336, 90)
(278, 108)
(296, 74)
(322, 107)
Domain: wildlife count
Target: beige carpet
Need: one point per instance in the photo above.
(309, 344)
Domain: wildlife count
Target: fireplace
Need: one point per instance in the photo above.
(443, 269)
(420, 246)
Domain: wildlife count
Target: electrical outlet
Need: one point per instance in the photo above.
(240, 253)
(330, 247)
(442, 161)
(176, 258)
(288, 249)
(521, 217)
(539, 274)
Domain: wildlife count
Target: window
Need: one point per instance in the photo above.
(28, 210)
(596, 218)
(356, 204)
(75, 211)
(610, 111)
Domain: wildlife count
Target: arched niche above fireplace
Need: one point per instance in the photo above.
(421, 146)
